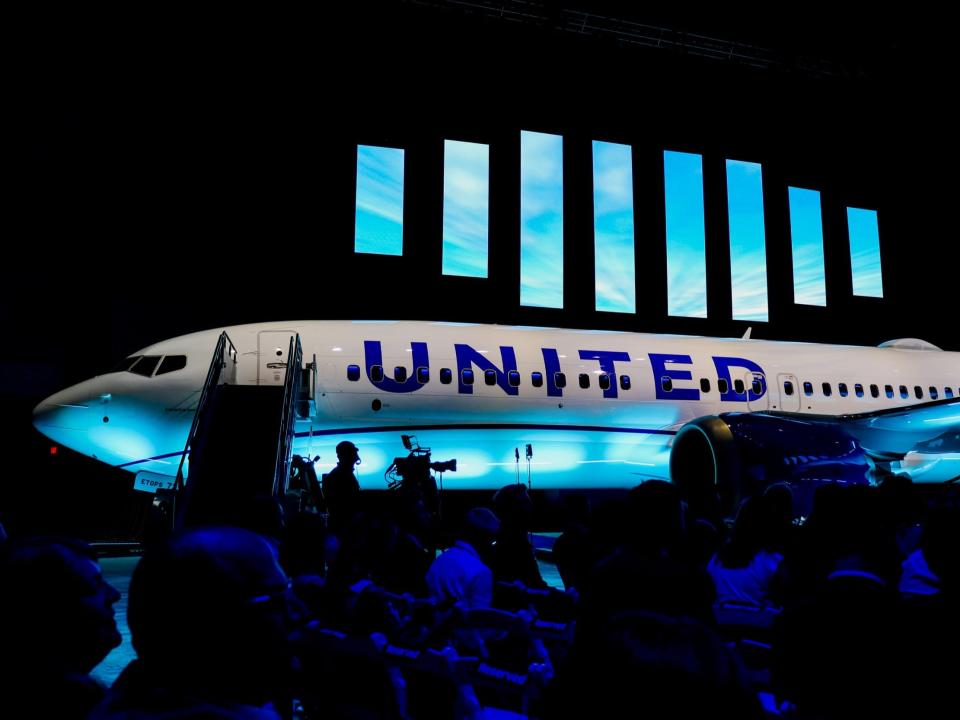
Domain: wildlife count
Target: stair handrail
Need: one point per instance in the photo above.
(291, 386)
(225, 347)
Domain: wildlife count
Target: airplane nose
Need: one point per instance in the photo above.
(65, 410)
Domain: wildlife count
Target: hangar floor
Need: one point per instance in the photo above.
(117, 572)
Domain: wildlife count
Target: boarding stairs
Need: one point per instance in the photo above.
(240, 444)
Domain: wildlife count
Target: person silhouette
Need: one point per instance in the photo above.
(460, 574)
(341, 491)
(57, 624)
(211, 615)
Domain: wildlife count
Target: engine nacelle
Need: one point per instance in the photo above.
(740, 454)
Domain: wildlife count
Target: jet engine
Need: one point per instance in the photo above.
(739, 454)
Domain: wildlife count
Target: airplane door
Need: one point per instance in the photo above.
(756, 384)
(272, 349)
(788, 390)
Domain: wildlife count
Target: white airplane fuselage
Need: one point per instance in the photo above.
(598, 408)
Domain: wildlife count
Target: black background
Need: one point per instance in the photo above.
(170, 173)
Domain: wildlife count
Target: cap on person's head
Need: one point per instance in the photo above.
(481, 519)
(346, 448)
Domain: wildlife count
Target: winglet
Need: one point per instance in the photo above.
(746, 335)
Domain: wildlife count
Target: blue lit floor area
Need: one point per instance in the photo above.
(117, 572)
(548, 571)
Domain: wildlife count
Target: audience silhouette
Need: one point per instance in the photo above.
(56, 624)
(211, 615)
(461, 574)
(845, 614)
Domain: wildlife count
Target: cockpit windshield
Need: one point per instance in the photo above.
(172, 363)
(125, 364)
(145, 365)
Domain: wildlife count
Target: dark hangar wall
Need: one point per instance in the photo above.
(177, 175)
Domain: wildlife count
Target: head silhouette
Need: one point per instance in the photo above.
(56, 610)
(347, 454)
(210, 611)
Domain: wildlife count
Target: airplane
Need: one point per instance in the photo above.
(598, 409)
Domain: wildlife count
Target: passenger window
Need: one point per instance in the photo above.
(423, 375)
(738, 386)
(787, 387)
(704, 385)
(874, 391)
(146, 365)
(466, 375)
(948, 392)
(490, 377)
(904, 393)
(604, 381)
(560, 379)
(807, 388)
(584, 381)
(918, 391)
(666, 383)
(446, 376)
(933, 393)
(172, 363)
(624, 382)
(353, 373)
(888, 389)
(722, 385)
(858, 390)
(376, 373)
(513, 378)
(842, 389)
(757, 386)
(400, 374)
(827, 392)
(536, 379)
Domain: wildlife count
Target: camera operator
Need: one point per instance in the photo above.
(341, 491)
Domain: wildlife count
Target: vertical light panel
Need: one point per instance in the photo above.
(613, 227)
(806, 233)
(466, 208)
(686, 256)
(865, 252)
(541, 220)
(748, 248)
(379, 226)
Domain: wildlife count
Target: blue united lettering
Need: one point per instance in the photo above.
(467, 357)
(669, 370)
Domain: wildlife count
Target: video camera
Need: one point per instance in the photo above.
(415, 468)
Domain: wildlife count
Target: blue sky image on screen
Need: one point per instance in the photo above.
(379, 227)
(865, 252)
(613, 227)
(806, 233)
(686, 258)
(466, 208)
(748, 248)
(541, 220)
